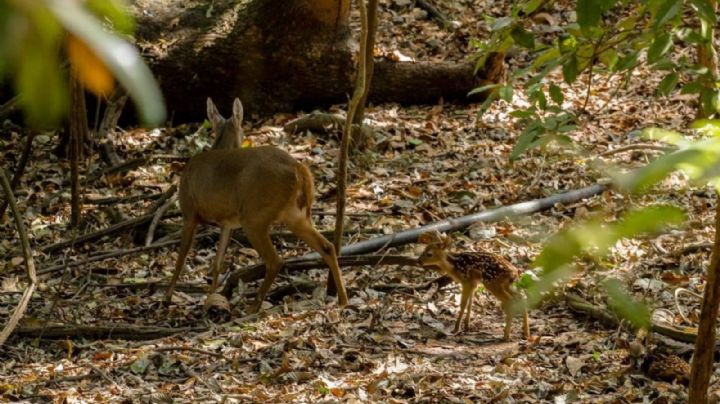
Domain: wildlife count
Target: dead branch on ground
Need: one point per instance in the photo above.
(29, 263)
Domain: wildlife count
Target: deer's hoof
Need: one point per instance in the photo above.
(216, 302)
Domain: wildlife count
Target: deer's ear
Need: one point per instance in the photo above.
(238, 112)
(213, 114)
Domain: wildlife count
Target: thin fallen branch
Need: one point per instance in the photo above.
(492, 215)
(20, 168)
(29, 263)
(433, 12)
(9, 107)
(109, 331)
(256, 272)
(121, 199)
(692, 248)
(633, 147)
(189, 349)
(156, 219)
(107, 255)
(122, 226)
(609, 319)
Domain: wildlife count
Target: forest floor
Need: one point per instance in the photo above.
(392, 343)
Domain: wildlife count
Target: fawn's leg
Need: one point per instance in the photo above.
(260, 240)
(304, 229)
(469, 309)
(219, 257)
(525, 319)
(466, 294)
(508, 318)
(188, 233)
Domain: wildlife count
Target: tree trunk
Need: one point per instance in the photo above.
(275, 56)
(703, 358)
(78, 131)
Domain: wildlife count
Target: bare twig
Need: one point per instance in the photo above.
(577, 303)
(117, 331)
(678, 292)
(355, 101)
(9, 107)
(632, 147)
(121, 199)
(190, 349)
(20, 168)
(29, 263)
(156, 219)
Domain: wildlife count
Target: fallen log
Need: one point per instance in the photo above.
(105, 331)
(378, 244)
(609, 319)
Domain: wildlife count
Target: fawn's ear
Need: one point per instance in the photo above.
(425, 238)
(238, 113)
(213, 114)
(445, 240)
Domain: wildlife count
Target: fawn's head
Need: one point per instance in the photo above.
(436, 251)
(228, 132)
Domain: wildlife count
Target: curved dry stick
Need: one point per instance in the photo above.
(639, 146)
(156, 219)
(29, 263)
(678, 291)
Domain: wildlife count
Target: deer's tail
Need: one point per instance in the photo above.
(306, 189)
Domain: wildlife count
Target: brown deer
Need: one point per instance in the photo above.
(470, 269)
(252, 188)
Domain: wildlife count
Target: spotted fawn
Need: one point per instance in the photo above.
(470, 269)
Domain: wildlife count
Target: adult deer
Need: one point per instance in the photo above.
(252, 188)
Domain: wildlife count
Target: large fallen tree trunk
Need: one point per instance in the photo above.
(276, 56)
(375, 245)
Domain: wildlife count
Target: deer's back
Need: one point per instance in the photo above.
(227, 187)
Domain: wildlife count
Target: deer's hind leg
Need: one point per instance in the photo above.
(304, 229)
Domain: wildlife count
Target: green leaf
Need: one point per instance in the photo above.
(506, 93)
(120, 57)
(668, 10)
(140, 365)
(657, 170)
(667, 84)
(623, 304)
(567, 44)
(483, 88)
(707, 127)
(705, 11)
(522, 113)
(649, 220)
(609, 58)
(40, 81)
(664, 135)
(626, 62)
(660, 46)
(550, 55)
(501, 23)
(114, 10)
(531, 6)
(522, 37)
(588, 13)
(693, 87)
(523, 142)
(690, 35)
(556, 94)
(569, 69)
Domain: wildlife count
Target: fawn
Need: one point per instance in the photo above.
(470, 269)
(254, 188)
